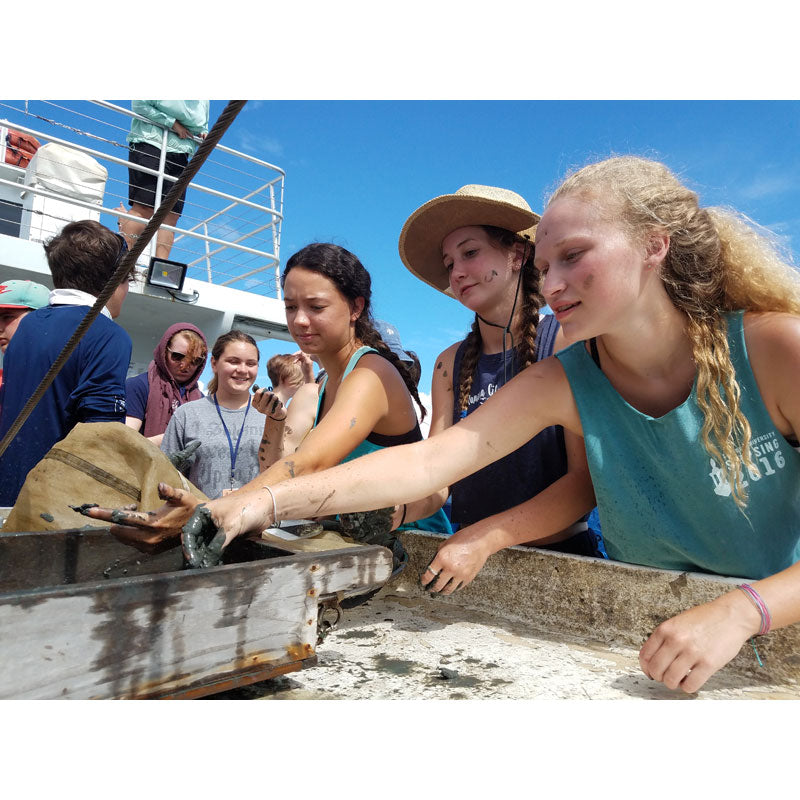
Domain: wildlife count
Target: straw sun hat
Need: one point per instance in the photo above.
(421, 238)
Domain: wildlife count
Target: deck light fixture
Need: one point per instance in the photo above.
(166, 274)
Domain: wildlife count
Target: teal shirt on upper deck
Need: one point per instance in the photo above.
(663, 501)
(192, 114)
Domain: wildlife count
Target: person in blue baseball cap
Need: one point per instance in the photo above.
(391, 337)
(17, 298)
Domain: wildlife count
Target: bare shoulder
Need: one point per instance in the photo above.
(305, 393)
(371, 366)
(772, 336)
(304, 402)
(443, 366)
(773, 348)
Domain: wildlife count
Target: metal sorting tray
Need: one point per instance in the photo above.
(84, 616)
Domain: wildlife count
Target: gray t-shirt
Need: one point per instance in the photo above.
(210, 471)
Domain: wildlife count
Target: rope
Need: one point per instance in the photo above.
(127, 263)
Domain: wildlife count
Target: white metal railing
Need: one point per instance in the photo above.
(229, 231)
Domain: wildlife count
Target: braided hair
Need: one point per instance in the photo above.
(351, 278)
(531, 302)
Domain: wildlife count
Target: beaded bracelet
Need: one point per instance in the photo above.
(275, 521)
(755, 597)
(766, 619)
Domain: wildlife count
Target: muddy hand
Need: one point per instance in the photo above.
(202, 540)
(438, 581)
(182, 458)
(147, 530)
(459, 559)
(268, 403)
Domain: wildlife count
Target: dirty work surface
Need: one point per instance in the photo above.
(396, 647)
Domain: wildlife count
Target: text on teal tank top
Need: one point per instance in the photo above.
(662, 499)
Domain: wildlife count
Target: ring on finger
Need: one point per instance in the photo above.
(433, 572)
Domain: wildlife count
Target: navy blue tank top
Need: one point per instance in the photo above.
(522, 474)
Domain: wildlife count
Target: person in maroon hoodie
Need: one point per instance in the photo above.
(170, 381)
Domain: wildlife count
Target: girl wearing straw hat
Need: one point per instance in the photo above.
(477, 245)
(683, 379)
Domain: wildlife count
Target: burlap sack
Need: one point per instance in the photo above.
(100, 462)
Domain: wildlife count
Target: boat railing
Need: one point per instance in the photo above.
(228, 233)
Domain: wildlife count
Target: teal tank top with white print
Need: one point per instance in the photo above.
(437, 522)
(662, 499)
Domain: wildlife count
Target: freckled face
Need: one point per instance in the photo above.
(482, 275)
(318, 315)
(9, 320)
(591, 268)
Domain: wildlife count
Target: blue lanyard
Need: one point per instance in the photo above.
(234, 453)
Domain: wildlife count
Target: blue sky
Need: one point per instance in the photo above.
(356, 170)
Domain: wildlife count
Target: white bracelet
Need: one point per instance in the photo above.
(275, 521)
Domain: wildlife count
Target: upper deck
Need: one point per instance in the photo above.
(228, 234)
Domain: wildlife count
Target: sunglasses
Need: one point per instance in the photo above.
(178, 357)
(123, 248)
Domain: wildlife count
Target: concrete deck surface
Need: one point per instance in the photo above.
(398, 646)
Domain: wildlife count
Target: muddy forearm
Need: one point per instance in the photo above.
(271, 447)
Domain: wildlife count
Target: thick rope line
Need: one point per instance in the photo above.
(215, 134)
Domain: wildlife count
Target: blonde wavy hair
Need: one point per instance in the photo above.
(717, 261)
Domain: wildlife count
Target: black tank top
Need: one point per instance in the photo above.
(522, 474)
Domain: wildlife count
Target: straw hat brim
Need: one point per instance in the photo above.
(420, 242)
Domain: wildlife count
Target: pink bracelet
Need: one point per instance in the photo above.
(766, 619)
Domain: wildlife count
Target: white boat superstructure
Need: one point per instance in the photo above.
(228, 234)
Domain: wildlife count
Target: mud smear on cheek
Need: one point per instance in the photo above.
(589, 281)
(489, 278)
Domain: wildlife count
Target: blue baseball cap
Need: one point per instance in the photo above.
(23, 294)
(390, 335)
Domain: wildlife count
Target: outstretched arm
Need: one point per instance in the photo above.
(536, 398)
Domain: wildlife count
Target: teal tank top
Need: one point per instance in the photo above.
(437, 522)
(663, 501)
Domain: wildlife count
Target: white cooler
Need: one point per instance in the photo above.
(71, 174)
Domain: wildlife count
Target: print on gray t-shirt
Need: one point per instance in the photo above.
(210, 471)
